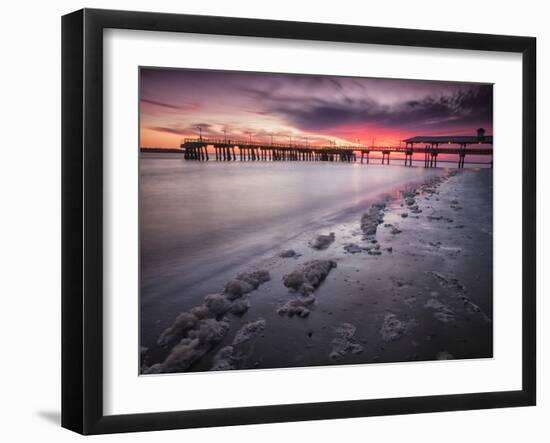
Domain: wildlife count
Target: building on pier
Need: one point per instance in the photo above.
(431, 145)
(462, 140)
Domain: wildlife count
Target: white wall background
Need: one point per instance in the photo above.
(30, 218)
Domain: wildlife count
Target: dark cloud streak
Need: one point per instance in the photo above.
(185, 107)
(473, 105)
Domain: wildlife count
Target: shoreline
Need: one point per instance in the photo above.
(383, 287)
(209, 271)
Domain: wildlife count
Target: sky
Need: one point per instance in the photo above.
(312, 109)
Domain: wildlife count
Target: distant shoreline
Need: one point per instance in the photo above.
(163, 150)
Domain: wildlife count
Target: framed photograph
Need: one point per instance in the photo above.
(269, 221)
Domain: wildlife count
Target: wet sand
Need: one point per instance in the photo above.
(408, 277)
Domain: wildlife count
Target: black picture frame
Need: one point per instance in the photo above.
(82, 218)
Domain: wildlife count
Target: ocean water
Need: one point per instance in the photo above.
(200, 222)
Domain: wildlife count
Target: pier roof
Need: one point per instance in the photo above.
(452, 139)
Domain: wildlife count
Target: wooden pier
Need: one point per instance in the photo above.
(230, 150)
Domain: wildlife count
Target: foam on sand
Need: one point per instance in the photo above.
(235, 355)
(245, 283)
(196, 331)
(307, 278)
(393, 328)
(344, 342)
(372, 218)
(208, 333)
(298, 306)
(323, 241)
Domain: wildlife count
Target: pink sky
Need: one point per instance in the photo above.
(321, 109)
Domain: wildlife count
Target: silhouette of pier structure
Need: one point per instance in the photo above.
(250, 150)
(432, 146)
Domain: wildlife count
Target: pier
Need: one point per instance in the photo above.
(250, 150)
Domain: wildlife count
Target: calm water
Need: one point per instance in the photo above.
(201, 220)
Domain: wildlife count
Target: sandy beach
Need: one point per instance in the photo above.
(406, 276)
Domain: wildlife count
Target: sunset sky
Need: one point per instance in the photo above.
(173, 103)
